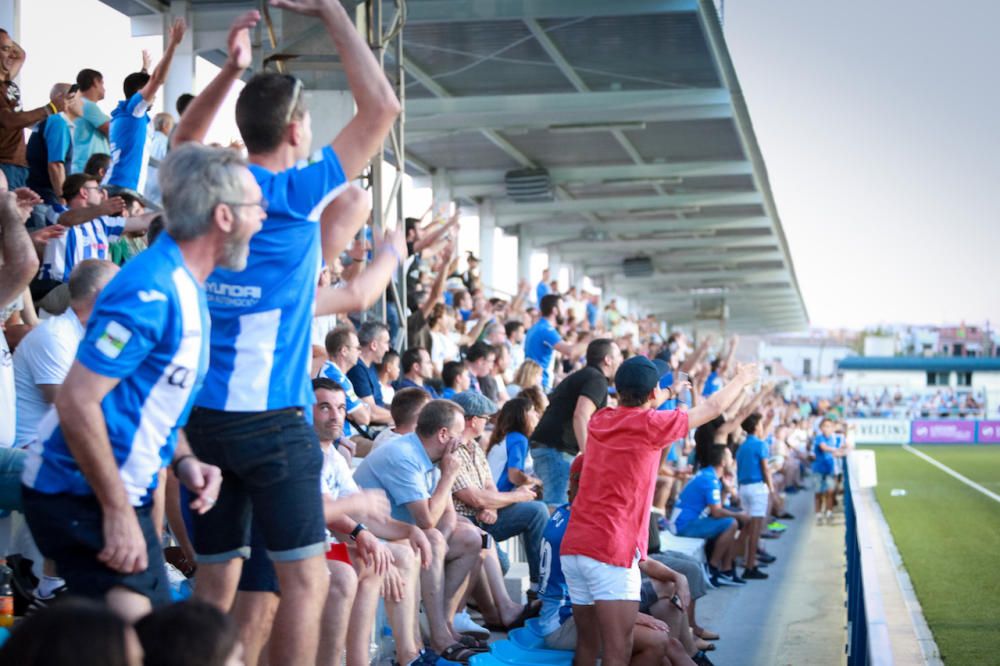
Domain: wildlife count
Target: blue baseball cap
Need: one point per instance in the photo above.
(637, 375)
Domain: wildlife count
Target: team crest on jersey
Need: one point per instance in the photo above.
(113, 339)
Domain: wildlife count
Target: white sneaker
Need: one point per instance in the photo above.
(819, 518)
(464, 624)
(829, 517)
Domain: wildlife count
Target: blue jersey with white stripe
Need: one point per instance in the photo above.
(553, 591)
(129, 134)
(149, 329)
(262, 316)
(90, 240)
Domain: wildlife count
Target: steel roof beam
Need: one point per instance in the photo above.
(447, 11)
(512, 212)
(567, 231)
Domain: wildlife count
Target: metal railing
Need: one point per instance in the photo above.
(867, 628)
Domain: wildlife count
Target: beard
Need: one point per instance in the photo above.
(560, 320)
(235, 253)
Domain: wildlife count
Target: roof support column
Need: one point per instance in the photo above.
(487, 244)
(525, 250)
(180, 78)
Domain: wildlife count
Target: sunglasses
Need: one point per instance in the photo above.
(296, 95)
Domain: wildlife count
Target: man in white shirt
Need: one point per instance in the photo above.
(45, 355)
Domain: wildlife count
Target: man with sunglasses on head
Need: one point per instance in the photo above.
(251, 417)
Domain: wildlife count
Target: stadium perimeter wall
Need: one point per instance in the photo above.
(925, 431)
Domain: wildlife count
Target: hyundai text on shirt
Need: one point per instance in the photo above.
(149, 330)
(262, 316)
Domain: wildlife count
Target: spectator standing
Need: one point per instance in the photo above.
(163, 127)
(562, 430)
(91, 129)
(13, 120)
(130, 120)
(142, 361)
(542, 289)
(756, 487)
(543, 339)
(50, 149)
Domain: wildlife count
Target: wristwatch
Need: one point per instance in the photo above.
(357, 530)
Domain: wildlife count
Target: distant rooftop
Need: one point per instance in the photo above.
(920, 363)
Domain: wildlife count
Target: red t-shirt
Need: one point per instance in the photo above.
(610, 518)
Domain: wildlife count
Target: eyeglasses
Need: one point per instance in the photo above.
(296, 94)
(241, 204)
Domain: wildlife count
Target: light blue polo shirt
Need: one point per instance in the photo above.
(539, 344)
(748, 458)
(87, 139)
(403, 470)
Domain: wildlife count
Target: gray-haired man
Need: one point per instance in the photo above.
(136, 373)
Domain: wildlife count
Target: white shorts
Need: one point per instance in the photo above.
(754, 498)
(589, 580)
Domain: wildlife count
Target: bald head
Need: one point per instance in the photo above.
(88, 279)
(58, 90)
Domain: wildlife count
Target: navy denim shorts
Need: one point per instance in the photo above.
(68, 530)
(271, 464)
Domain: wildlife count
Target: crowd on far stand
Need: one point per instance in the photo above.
(211, 451)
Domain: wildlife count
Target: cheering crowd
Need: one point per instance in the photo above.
(188, 360)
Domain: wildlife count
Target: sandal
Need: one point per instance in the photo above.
(529, 611)
(706, 634)
(703, 645)
(458, 652)
(474, 643)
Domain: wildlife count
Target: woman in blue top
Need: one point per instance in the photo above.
(508, 453)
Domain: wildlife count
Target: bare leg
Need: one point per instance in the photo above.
(588, 636)
(677, 654)
(129, 605)
(464, 546)
(363, 615)
(254, 615)
(616, 622)
(755, 527)
(675, 618)
(432, 583)
(649, 646)
(336, 613)
(401, 614)
(295, 638)
(216, 582)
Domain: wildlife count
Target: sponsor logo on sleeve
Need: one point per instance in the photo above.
(113, 339)
(151, 296)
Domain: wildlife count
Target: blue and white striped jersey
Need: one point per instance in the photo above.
(90, 240)
(262, 316)
(149, 328)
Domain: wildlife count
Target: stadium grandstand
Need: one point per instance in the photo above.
(259, 408)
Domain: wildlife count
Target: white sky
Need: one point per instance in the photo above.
(877, 122)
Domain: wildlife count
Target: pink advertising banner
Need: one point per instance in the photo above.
(943, 432)
(989, 432)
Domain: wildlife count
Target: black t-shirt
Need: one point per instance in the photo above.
(555, 428)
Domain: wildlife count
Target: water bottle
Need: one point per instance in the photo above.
(6, 595)
(382, 648)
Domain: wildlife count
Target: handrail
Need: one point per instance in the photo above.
(868, 630)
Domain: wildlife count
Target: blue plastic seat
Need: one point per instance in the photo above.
(526, 638)
(486, 659)
(509, 652)
(534, 626)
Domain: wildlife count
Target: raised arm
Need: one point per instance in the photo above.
(19, 260)
(366, 287)
(436, 235)
(159, 74)
(111, 206)
(376, 102)
(721, 399)
(200, 113)
(694, 359)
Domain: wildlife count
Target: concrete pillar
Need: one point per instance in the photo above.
(10, 18)
(487, 238)
(330, 111)
(441, 192)
(180, 78)
(525, 250)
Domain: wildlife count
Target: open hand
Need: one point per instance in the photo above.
(238, 42)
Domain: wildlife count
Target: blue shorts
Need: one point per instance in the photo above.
(11, 466)
(826, 483)
(706, 528)
(68, 529)
(271, 464)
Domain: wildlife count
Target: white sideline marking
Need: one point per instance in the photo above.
(948, 470)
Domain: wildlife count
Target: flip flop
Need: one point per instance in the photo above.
(707, 635)
(474, 643)
(458, 652)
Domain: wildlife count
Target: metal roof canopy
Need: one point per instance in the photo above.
(634, 108)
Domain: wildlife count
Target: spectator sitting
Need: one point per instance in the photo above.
(514, 329)
(76, 631)
(455, 378)
(508, 453)
(343, 349)
(528, 374)
(537, 398)
(130, 120)
(373, 336)
(98, 165)
(406, 405)
(50, 149)
(388, 372)
(420, 494)
(500, 367)
(91, 129)
(502, 514)
(210, 637)
(479, 361)
(415, 364)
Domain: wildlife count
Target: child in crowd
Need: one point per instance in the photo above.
(508, 453)
(756, 486)
(826, 448)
